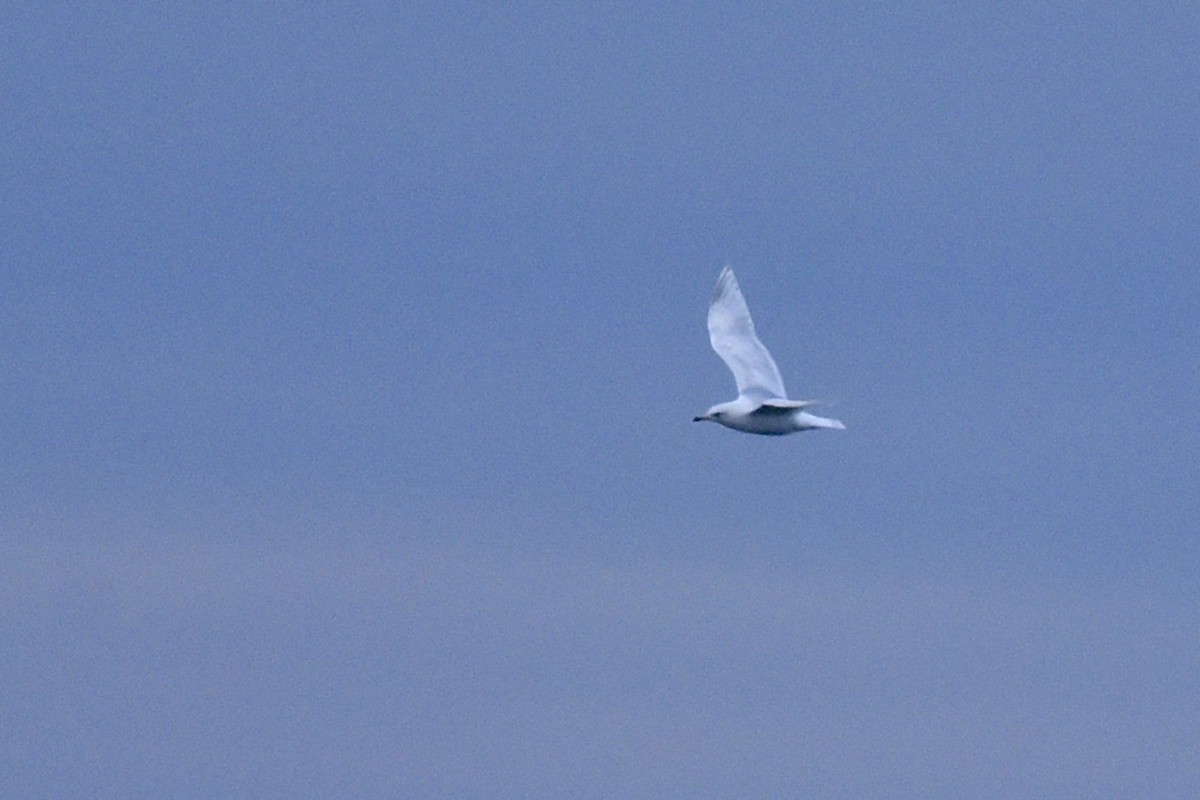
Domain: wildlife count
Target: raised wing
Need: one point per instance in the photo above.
(731, 332)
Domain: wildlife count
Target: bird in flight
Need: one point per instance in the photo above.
(762, 405)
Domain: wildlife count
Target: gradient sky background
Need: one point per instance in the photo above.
(350, 355)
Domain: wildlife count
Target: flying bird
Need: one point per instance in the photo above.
(762, 405)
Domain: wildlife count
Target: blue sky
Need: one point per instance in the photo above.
(351, 354)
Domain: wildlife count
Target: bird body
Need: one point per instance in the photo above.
(761, 406)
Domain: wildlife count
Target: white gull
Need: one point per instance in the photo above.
(762, 405)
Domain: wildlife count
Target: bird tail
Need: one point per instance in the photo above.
(824, 422)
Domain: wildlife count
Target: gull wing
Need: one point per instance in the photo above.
(731, 332)
(783, 407)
